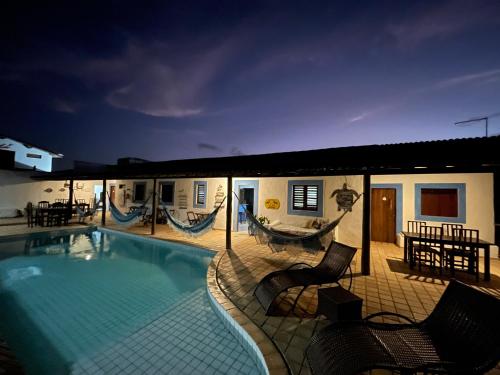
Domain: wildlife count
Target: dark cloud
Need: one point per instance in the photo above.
(235, 151)
(208, 146)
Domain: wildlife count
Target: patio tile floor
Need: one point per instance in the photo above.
(390, 287)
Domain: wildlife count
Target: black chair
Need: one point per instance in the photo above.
(427, 250)
(192, 218)
(460, 336)
(42, 213)
(414, 226)
(448, 228)
(463, 254)
(30, 214)
(57, 214)
(331, 269)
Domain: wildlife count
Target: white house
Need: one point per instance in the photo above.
(29, 156)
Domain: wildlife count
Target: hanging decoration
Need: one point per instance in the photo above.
(272, 204)
(219, 197)
(345, 197)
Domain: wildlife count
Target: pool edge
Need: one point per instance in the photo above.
(248, 333)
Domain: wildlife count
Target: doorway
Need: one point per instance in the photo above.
(112, 192)
(383, 215)
(248, 192)
(98, 195)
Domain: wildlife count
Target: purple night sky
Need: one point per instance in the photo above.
(99, 80)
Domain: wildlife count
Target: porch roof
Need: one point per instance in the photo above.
(443, 156)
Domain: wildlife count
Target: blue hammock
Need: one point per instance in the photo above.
(278, 242)
(197, 229)
(130, 218)
(83, 214)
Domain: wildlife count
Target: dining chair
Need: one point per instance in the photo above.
(413, 226)
(427, 250)
(464, 253)
(192, 218)
(30, 214)
(41, 212)
(448, 228)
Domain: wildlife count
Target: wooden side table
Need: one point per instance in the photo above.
(337, 303)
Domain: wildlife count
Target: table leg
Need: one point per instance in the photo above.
(486, 263)
(405, 255)
(410, 252)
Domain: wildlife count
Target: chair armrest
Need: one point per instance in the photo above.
(299, 264)
(384, 313)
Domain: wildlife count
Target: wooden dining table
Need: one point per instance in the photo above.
(410, 238)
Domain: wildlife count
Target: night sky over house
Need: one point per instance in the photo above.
(99, 80)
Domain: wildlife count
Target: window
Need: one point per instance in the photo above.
(440, 202)
(167, 193)
(200, 194)
(34, 156)
(139, 191)
(305, 197)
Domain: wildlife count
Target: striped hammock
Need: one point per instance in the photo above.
(194, 230)
(278, 241)
(82, 214)
(130, 218)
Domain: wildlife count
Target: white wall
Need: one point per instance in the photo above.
(479, 200)
(17, 188)
(21, 155)
(479, 197)
(182, 186)
(349, 229)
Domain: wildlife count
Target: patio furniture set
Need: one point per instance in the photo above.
(458, 337)
(449, 247)
(49, 214)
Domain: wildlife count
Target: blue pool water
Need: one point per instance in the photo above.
(94, 302)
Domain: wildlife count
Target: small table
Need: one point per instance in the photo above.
(337, 303)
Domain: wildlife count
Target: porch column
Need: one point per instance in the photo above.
(104, 196)
(365, 245)
(153, 218)
(229, 205)
(70, 199)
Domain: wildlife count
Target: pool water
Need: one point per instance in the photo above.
(96, 302)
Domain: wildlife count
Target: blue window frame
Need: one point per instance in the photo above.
(139, 191)
(200, 194)
(305, 197)
(448, 198)
(167, 193)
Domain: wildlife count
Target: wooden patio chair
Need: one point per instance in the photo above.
(462, 253)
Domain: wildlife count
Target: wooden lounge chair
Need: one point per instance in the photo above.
(460, 336)
(331, 269)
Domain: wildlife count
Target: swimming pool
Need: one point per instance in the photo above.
(94, 302)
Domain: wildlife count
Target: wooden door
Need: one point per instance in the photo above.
(383, 215)
(112, 193)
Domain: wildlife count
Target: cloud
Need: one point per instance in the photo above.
(443, 20)
(153, 82)
(208, 146)
(486, 76)
(61, 105)
(358, 118)
(235, 151)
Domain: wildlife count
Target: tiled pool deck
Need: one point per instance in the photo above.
(234, 274)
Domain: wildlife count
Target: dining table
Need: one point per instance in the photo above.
(411, 237)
